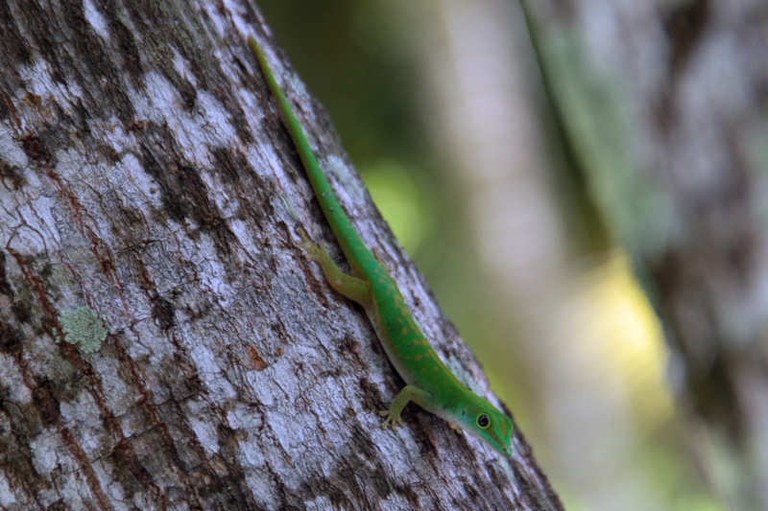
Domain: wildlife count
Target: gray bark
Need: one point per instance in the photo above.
(164, 341)
(665, 105)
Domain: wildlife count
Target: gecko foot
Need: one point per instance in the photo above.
(391, 421)
(313, 249)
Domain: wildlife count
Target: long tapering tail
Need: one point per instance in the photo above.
(356, 252)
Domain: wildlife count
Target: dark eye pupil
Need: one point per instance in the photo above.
(483, 420)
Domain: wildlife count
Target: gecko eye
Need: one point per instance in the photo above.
(483, 421)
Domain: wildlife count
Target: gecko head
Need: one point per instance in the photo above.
(487, 422)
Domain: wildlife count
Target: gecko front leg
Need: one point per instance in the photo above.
(407, 394)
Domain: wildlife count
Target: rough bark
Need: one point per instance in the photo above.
(665, 104)
(164, 342)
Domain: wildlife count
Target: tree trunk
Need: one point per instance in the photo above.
(665, 104)
(164, 341)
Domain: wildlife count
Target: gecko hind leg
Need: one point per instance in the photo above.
(354, 288)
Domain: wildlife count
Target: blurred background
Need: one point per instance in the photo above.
(442, 108)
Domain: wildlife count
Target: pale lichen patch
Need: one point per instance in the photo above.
(182, 67)
(7, 497)
(13, 385)
(204, 429)
(83, 328)
(95, 19)
(206, 363)
(196, 132)
(215, 120)
(54, 95)
(48, 453)
(10, 149)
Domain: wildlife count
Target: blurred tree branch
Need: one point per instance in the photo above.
(666, 105)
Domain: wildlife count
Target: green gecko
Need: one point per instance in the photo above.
(429, 383)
